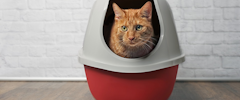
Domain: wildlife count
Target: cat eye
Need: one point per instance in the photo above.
(139, 27)
(124, 28)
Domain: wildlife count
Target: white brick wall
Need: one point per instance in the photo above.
(209, 34)
(41, 38)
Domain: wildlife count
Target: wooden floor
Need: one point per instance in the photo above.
(80, 91)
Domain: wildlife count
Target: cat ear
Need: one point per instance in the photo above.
(118, 11)
(146, 10)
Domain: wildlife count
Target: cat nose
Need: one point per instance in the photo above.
(131, 38)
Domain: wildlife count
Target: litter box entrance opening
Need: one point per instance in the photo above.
(129, 4)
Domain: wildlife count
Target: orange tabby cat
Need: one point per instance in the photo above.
(132, 31)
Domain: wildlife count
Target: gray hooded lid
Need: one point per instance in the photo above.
(96, 53)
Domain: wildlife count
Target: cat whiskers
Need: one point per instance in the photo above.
(148, 41)
(146, 46)
(154, 39)
(121, 47)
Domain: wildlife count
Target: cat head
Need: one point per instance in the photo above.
(133, 27)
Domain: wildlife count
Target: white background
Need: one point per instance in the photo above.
(41, 38)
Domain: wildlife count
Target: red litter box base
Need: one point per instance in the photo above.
(106, 85)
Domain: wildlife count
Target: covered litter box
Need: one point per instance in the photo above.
(111, 77)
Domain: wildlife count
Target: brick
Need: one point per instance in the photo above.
(36, 72)
(182, 38)
(180, 66)
(78, 39)
(233, 73)
(197, 49)
(187, 3)
(36, 62)
(64, 72)
(35, 27)
(63, 62)
(0, 15)
(202, 62)
(189, 13)
(38, 15)
(11, 39)
(65, 39)
(11, 15)
(82, 72)
(15, 39)
(30, 39)
(17, 27)
(76, 63)
(37, 51)
(2, 63)
(83, 26)
(82, 14)
(37, 39)
(88, 3)
(61, 27)
(226, 3)
(11, 62)
(231, 62)
(14, 51)
(177, 13)
(201, 13)
(64, 1)
(232, 13)
(185, 72)
(204, 73)
(204, 38)
(226, 50)
(227, 25)
(232, 38)
(2, 39)
(63, 15)
(46, 62)
(14, 72)
(184, 26)
(174, 3)
(203, 3)
(13, 4)
(213, 13)
(204, 26)
(226, 73)
(66, 51)
(36, 4)
(65, 4)
(4, 27)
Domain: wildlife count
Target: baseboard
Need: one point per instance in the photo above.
(84, 79)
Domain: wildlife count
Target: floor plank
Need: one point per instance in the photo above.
(8, 86)
(80, 91)
(206, 91)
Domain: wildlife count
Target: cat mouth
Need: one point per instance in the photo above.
(132, 44)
